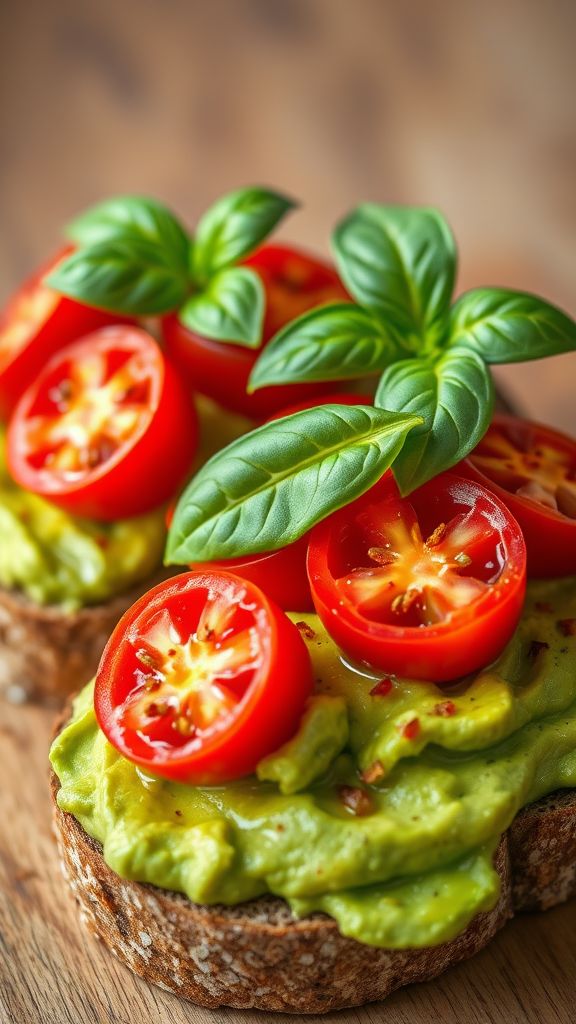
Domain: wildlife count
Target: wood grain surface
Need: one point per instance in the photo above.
(466, 106)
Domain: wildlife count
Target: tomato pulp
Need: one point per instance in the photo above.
(293, 283)
(106, 430)
(36, 323)
(202, 678)
(429, 586)
(532, 469)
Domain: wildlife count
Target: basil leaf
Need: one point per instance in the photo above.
(231, 308)
(233, 227)
(400, 262)
(133, 218)
(509, 327)
(336, 342)
(454, 396)
(269, 487)
(131, 276)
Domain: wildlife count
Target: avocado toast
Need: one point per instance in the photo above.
(260, 952)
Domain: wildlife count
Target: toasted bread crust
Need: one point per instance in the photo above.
(46, 652)
(254, 955)
(257, 955)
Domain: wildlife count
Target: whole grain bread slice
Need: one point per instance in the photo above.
(257, 955)
(47, 652)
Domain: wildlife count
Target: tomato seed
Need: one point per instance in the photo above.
(436, 536)
(146, 658)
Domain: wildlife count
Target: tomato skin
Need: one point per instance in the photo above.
(147, 469)
(268, 714)
(221, 370)
(64, 321)
(550, 536)
(280, 574)
(470, 639)
(338, 398)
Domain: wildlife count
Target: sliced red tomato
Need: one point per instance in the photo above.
(280, 574)
(532, 469)
(293, 283)
(429, 586)
(339, 398)
(201, 678)
(106, 430)
(35, 323)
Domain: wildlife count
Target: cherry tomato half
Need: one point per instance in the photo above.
(280, 574)
(293, 283)
(201, 678)
(429, 586)
(341, 398)
(36, 323)
(106, 430)
(532, 469)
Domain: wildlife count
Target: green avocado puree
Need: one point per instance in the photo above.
(55, 558)
(416, 865)
(58, 559)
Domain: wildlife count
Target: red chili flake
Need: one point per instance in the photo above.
(374, 773)
(445, 709)
(544, 607)
(567, 627)
(103, 542)
(536, 647)
(178, 814)
(356, 800)
(306, 630)
(382, 688)
(410, 730)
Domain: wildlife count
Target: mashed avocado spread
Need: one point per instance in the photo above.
(415, 866)
(56, 558)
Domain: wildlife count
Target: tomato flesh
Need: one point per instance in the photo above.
(36, 323)
(202, 678)
(428, 587)
(532, 469)
(106, 430)
(293, 283)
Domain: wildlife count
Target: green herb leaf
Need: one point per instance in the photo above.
(454, 396)
(132, 276)
(269, 487)
(133, 218)
(231, 308)
(336, 342)
(401, 263)
(509, 327)
(233, 227)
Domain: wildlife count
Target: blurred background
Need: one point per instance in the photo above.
(470, 107)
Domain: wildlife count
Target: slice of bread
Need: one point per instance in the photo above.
(257, 955)
(46, 652)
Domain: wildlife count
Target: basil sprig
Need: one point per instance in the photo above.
(135, 258)
(399, 265)
(269, 487)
